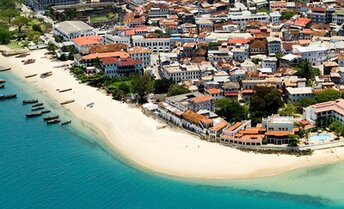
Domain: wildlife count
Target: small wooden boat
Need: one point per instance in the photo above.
(66, 122)
(29, 61)
(37, 108)
(32, 115)
(2, 86)
(9, 96)
(2, 81)
(64, 90)
(67, 102)
(45, 111)
(51, 117)
(37, 105)
(46, 74)
(32, 75)
(53, 121)
(30, 101)
(5, 69)
(22, 55)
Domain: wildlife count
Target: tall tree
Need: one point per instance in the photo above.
(142, 85)
(266, 101)
(230, 109)
(5, 35)
(162, 86)
(8, 15)
(20, 22)
(176, 89)
(306, 70)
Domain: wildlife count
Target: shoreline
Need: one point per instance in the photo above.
(164, 151)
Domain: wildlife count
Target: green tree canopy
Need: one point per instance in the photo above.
(327, 95)
(141, 85)
(8, 15)
(288, 110)
(266, 101)
(176, 89)
(20, 22)
(5, 35)
(286, 15)
(306, 70)
(230, 109)
(162, 86)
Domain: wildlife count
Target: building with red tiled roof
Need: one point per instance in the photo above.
(83, 44)
(141, 53)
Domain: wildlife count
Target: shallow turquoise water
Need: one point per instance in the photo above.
(62, 167)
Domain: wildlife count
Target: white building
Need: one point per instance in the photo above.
(178, 72)
(218, 55)
(296, 94)
(156, 12)
(278, 123)
(154, 44)
(69, 30)
(334, 109)
(111, 39)
(274, 45)
(270, 62)
(314, 54)
(243, 17)
(338, 18)
(141, 53)
(240, 52)
(275, 17)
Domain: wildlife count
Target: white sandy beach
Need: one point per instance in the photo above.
(165, 151)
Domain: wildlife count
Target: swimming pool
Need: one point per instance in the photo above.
(320, 137)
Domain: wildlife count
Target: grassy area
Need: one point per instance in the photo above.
(107, 17)
(14, 45)
(117, 84)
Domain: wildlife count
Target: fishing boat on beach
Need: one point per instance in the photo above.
(46, 74)
(29, 61)
(51, 117)
(30, 101)
(53, 121)
(2, 81)
(67, 102)
(37, 108)
(45, 111)
(66, 123)
(9, 96)
(32, 75)
(32, 115)
(22, 55)
(37, 105)
(2, 86)
(64, 90)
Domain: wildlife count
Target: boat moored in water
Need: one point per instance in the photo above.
(30, 101)
(53, 121)
(2, 86)
(37, 108)
(32, 115)
(2, 81)
(37, 105)
(51, 117)
(45, 111)
(9, 96)
(66, 123)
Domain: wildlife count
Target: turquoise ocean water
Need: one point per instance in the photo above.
(63, 167)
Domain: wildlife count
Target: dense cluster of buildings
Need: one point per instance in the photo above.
(227, 49)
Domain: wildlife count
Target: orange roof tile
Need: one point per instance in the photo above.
(278, 133)
(235, 126)
(88, 40)
(220, 125)
(106, 54)
(202, 98)
(213, 91)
